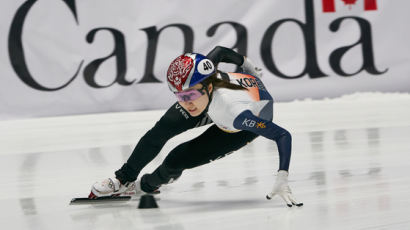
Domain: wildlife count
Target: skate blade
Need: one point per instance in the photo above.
(97, 200)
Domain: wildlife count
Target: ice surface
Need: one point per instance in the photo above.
(350, 166)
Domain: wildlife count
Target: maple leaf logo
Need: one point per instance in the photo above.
(349, 3)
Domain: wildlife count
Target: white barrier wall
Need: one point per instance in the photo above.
(71, 57)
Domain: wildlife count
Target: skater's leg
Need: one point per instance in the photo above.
(209, 146)
(161, 175)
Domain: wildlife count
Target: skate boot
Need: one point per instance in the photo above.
(112, 187)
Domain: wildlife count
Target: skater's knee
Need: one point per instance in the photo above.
(162, 175)
(168, 173)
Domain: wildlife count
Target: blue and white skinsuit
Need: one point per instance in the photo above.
(238, 117)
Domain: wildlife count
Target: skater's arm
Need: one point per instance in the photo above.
(223, 54)
(175, 121)
(248, 121)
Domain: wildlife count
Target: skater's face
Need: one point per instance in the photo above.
(197, 106)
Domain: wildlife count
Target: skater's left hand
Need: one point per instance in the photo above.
(282, 189)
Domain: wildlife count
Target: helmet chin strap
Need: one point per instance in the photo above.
(209, 97)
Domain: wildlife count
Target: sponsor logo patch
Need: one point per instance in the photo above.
(182, 111)
(251, 124)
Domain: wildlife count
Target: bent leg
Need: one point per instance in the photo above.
(211, 145)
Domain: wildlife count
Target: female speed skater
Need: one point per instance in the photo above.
(238, 105)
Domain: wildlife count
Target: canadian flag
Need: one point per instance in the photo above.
(329, 5)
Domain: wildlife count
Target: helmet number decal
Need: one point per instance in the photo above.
(205, 67)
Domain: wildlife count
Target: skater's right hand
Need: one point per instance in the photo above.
(282, 189)
(250, 68)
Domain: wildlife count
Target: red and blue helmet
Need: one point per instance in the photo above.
(188, 70)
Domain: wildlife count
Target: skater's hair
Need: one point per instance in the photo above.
(221, 83)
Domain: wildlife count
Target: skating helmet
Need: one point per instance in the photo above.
(188, 70)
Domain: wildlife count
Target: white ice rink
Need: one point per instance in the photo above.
(350, 167)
